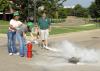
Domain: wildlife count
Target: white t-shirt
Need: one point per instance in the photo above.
(14, 23)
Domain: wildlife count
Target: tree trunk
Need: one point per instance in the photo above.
(56, 14)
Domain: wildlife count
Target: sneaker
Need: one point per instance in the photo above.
(51, 49)
(36, 42)
(21, 55)
(46, 47)
(16, 53)
(10, 54)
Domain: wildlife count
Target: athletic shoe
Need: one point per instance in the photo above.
(36, 42)
(46, 47)
(16, 53)
(51, 49)
(10, 54)
(21, 55)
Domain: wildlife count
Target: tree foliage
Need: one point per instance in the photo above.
(93, 10)
(79, 11)
(63, 12)
(97, 2)
(4, 4)
(51, 6)
(26, 7)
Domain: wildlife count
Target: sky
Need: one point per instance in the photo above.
(84, 3)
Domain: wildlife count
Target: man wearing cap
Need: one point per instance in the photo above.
(44, 25)
(12, 33)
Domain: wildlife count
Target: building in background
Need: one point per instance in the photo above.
(7, 14)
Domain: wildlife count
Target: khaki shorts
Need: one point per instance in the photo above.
(44, 34)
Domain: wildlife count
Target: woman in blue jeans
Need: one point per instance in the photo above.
(11, 42)
(12, 34)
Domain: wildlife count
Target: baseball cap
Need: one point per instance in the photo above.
(30, 24)
(16, 13)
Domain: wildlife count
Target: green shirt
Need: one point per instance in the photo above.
(44, 23)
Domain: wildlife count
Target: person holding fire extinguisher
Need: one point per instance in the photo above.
(20, 35)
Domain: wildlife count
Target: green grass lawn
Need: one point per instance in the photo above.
(4, 22)
(72, 29)
(4, 26)
(55, 30)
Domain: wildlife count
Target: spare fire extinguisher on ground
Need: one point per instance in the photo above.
(29, 50)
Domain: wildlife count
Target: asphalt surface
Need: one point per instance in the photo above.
(46, 60)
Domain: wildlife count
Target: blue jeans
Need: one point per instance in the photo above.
(11, 42)
(21, 41)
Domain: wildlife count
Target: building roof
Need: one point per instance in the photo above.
(5, 13)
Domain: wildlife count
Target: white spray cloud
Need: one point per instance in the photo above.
(69, 50)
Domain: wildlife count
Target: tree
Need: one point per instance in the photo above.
(79, 11)
(69, 12)
(93, 10)
(4, 5)
(62, 12)
(51, 6)
(22, 6)
(97, 2)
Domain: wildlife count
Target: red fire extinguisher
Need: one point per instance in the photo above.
(29, 50)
